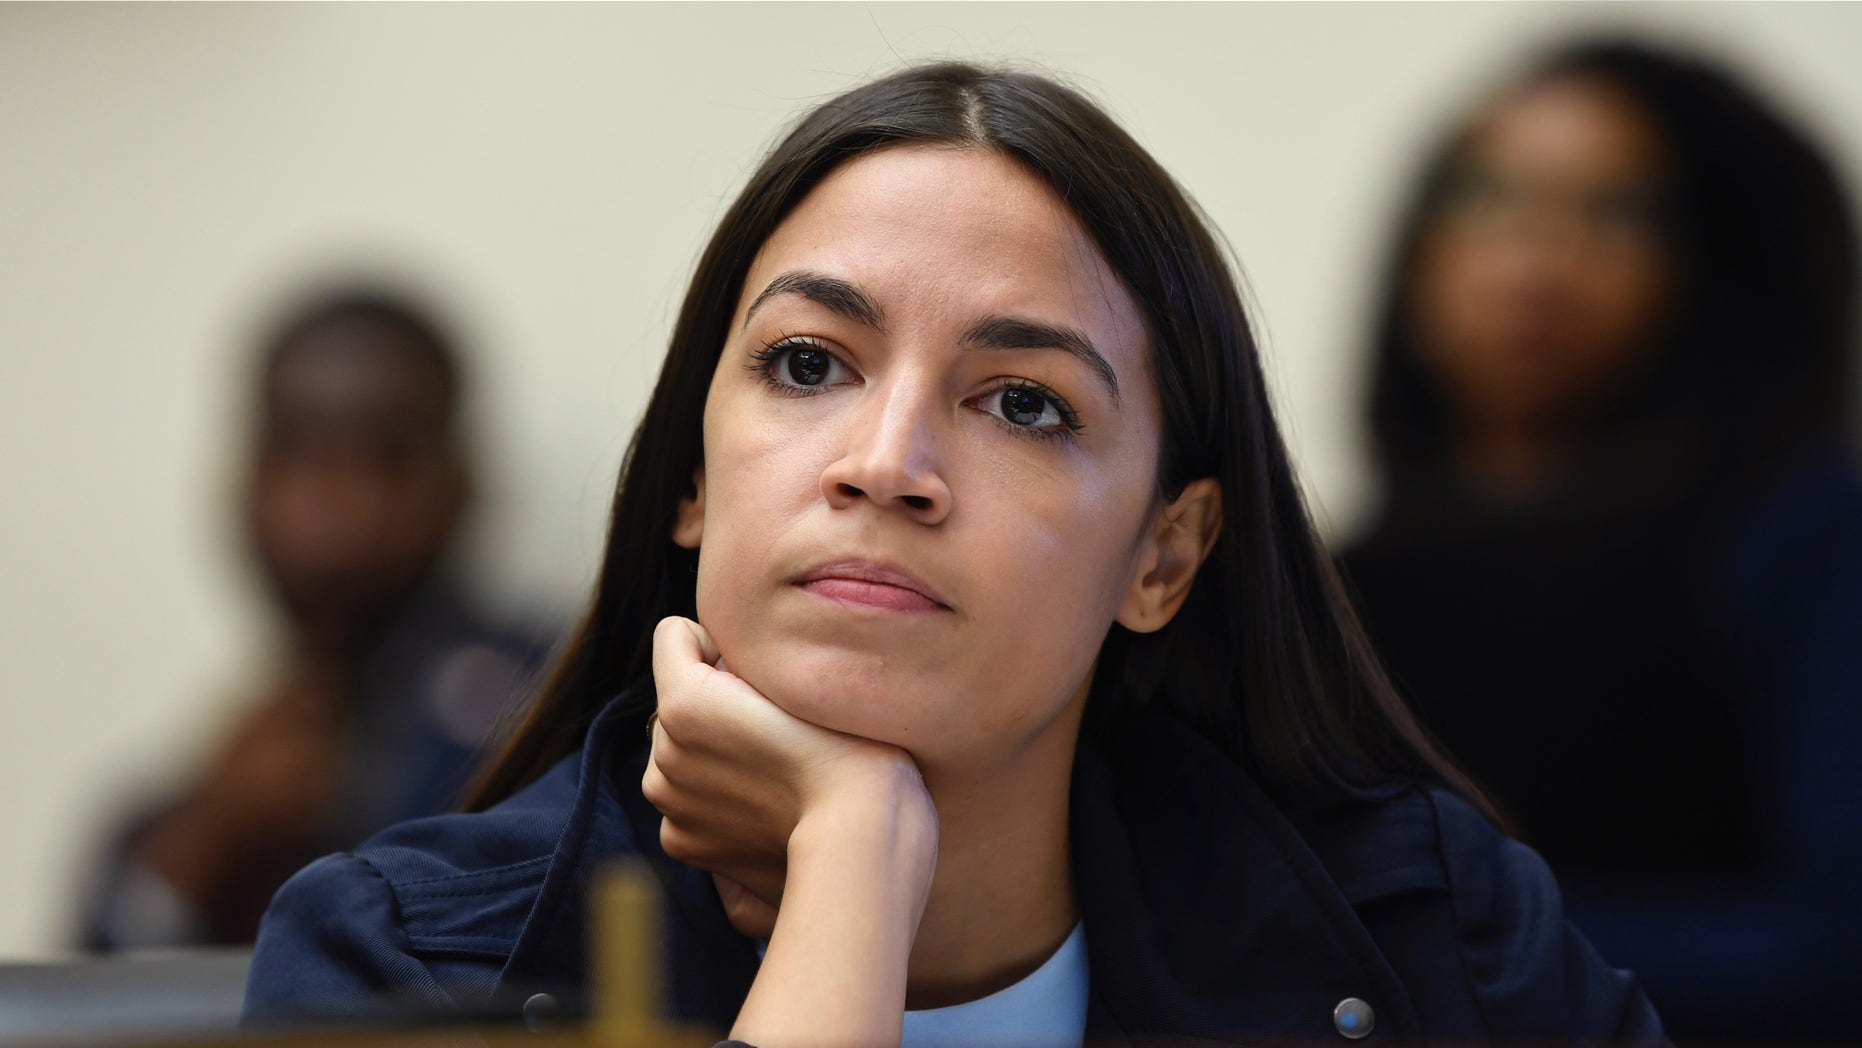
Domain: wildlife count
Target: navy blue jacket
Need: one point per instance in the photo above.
(1210, 916)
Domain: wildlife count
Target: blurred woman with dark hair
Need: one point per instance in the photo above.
(1619, 565)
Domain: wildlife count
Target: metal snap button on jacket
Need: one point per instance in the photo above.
(538, 1011)
(1353, 1018)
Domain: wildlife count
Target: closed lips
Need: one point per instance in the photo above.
(873, 576)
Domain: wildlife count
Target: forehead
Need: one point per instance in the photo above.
(1571, 127)
(352, 369)
(941, 233)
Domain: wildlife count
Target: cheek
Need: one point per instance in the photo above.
(1055, 571)
(1628, 299)
(1069, 552)
(1458, 290)
(758, 481)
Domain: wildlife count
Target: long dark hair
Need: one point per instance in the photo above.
(1754, 361)
(1265, 659)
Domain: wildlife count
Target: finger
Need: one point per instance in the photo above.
(748, 912)
(655, 788)
(691, 689)
(672, 840)
(680, 647)
(734, 891)
(691, 771)
(693, 641)
(677, 672)
(708, 648)
(660, 741)
(675, 648)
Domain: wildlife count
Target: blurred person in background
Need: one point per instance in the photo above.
(385, 680)
(1618, 568)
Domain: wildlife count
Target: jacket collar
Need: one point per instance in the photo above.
(710, 966)
(1208, 918)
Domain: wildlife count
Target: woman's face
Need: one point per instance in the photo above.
(1544, 275)
(931, 448)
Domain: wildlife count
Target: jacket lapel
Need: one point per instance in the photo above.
(1207, 916)
(709, 966)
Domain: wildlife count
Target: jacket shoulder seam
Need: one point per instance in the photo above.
(453, 878)
(476, 945)
(399, 922)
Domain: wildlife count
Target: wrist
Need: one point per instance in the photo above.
(860, 868)
(885, 817)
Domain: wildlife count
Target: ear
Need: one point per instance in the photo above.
(1180, 538)
(690, 525)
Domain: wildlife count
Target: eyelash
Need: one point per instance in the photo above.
(1070, 424)
(763, 362)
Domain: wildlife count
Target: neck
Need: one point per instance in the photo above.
(1002, 900)
(1511, 458)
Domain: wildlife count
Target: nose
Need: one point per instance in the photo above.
(1534, 258)
(891, 458)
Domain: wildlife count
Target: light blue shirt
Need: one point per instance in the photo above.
(1045, 1010)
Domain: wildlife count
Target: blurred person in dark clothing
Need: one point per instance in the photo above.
(1618, 568)
(386, 679)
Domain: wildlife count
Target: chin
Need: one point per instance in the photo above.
(857, 692)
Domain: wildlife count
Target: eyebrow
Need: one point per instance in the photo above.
(834, 293)
(992, 333)
(1016, 333)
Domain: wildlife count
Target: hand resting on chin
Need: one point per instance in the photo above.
(823, 842)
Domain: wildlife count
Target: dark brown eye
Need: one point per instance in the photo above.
(808, 367)
(1024, 407)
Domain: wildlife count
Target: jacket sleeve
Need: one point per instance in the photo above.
(332, 947)
(1532, 975)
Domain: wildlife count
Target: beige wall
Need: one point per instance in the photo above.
(550, 171)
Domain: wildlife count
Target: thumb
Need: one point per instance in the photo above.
(678, 644)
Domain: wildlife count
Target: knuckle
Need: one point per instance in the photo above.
(668, 757)
(677, 843)
(663, 793)
(669, 711)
